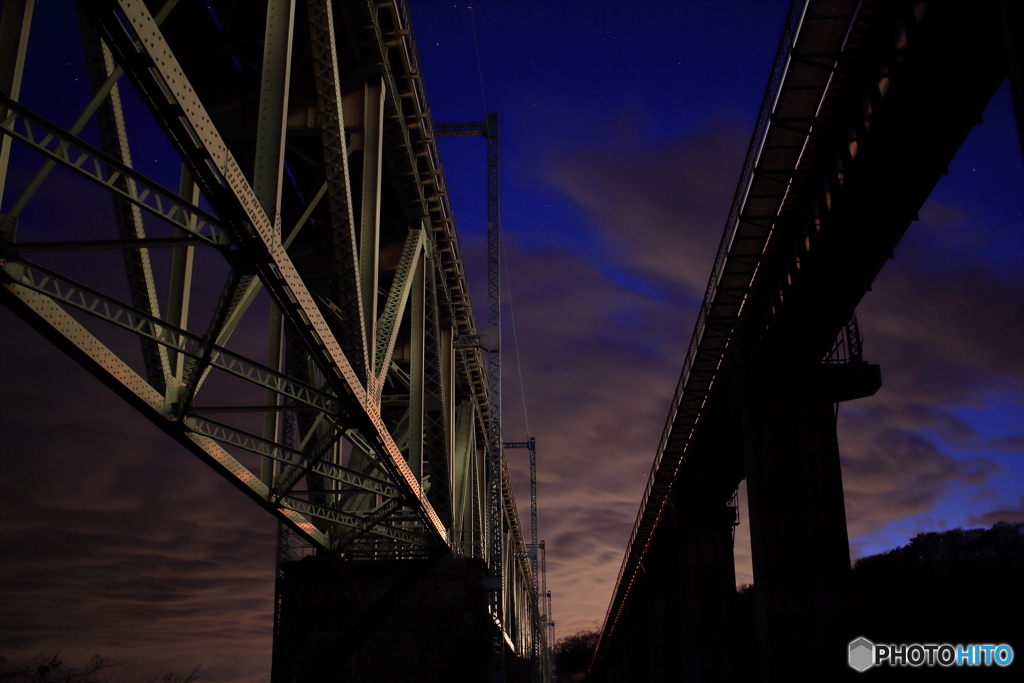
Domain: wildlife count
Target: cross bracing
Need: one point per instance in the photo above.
(289, 296)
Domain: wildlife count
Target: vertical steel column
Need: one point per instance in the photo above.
(465, 452)
(551, 638)
(373, 124)
(179, 292)
(494, 518)
(535, 557)
(268, 172)
(545, 600)
(494, 454)
(418, 321)
(268, 176)
(531, 445)
(15, 26)
(270, 127)
(533, 549)
(533, 507)
(324, 45)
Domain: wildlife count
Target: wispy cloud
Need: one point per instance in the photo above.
(1008, 513)
(115, 540)
(943, 325)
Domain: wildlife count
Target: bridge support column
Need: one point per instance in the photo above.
(677, 622)
(799, 543)
(706, 590)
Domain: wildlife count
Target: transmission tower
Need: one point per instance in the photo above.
(489, 130)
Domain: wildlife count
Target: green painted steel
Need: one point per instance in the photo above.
(303, 283)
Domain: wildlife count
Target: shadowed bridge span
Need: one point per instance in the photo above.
(866, 105)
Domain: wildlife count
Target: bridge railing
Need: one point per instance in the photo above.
(757, 140)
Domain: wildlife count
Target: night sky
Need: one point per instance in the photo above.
(624, 125)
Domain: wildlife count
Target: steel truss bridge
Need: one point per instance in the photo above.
(867, 103)
(290, 303)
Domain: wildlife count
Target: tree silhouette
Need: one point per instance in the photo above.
(573, 654)
(52, 669)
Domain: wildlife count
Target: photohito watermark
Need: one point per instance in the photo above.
(863, 654)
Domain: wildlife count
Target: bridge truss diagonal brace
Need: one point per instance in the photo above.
(53, 322)
(90, 301)
(76, 155)
(156, 73)
(391, 319)
(292, 457)
(128, 216)
(197, 435)
(323, 43)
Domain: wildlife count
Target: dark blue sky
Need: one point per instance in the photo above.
(566, 75)
(614, 84)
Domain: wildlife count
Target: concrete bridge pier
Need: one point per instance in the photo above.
(706, 584)
(677, 623)
(799, 543)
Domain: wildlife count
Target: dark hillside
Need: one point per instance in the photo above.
(962, 586)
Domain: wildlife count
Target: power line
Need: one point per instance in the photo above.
(515, 340)
(479, 67)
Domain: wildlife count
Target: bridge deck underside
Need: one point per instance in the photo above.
(861, 118)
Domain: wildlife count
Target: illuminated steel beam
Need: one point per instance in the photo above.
(127, 215)
(374, 419)
(353, 521)
(28, 127)
(155, 71)
(324, 46)
(398, 298)
(295, 458)
(95, 303)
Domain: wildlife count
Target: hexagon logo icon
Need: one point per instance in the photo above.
(862, 654)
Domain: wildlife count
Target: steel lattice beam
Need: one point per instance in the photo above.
(157, 74)
(365, 399)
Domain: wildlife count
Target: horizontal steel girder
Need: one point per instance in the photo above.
(89, 162)
(95, 303)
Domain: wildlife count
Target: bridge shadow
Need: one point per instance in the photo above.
(386, 620)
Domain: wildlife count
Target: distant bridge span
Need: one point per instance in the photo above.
(866, 106)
